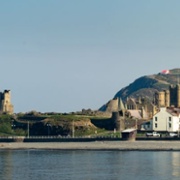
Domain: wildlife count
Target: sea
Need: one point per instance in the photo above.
(89, 165)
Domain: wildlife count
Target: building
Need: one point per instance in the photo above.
(139, 108)
(112, 105)
(5, 102)
(169, 97)
(142, 105)
(146, 126)
(137, 114)
(166, 120)
(129, 134)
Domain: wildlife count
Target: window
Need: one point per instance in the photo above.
(169, 125)
(155, 118)
(147, 126)
(156, 125)
(169, 118)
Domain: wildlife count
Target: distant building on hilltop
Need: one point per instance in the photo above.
(5, 102)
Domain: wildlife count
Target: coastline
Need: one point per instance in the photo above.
(96, 145)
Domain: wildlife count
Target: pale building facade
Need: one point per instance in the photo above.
(166, 120)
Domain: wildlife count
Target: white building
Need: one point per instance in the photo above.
(167, 120)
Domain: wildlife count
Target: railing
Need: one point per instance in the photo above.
(55, 138)
(78, 138)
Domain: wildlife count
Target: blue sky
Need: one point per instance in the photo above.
(65, 55)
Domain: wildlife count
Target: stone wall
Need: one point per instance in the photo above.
(169, 97)
(112, 105)
(5, 102)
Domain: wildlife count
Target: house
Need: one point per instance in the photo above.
(166, 120)
(146, 126)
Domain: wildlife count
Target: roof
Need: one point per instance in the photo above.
(146, 122)
(128, 130)
(137, 114)
(171, 110)
(131, 100)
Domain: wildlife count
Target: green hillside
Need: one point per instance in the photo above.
(146, 86)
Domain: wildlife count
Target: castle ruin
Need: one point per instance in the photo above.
(168, 98)
(140, 108)
(5, 102)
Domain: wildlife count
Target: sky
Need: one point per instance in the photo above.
(69, 55)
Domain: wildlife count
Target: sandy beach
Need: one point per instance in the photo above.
(98, 145)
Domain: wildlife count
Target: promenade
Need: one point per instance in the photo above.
(97, 145)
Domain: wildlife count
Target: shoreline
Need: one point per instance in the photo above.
(96, 145)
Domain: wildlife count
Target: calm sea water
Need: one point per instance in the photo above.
(88, 165)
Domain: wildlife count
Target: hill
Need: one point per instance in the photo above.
(146, 86)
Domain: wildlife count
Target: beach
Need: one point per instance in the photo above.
(97, 145)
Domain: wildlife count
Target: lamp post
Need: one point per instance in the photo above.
(178, 127)
(28, 128)
(48, 125)
(13, 126)
(73, 129)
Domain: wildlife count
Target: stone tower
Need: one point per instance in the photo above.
(169, 97)
(112, 105)
(161, 99)
(118, 121)
(5, 102)
(175, 95)
(178, 95)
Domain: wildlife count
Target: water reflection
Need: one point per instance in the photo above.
(6, 165)
(89, 165)
(176, 164)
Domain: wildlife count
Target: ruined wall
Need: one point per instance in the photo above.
(5, 102)
(116, 105)
(161, 99)
(169, 97)
(118, 121)
(131, 104)
(178, 95)
(173, 96)
(112, 105)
